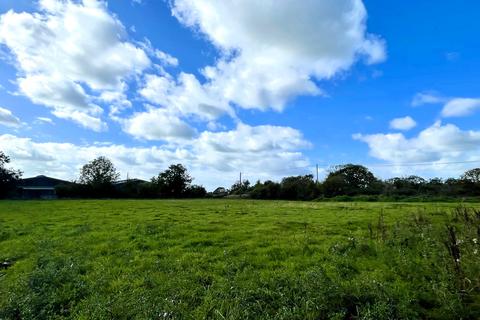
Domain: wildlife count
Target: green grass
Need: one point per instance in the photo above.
(237, 259)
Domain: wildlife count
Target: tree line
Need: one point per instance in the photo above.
(100, 179)
(356, 182)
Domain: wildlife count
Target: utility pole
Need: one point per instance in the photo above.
(240, 178)
(317, 173)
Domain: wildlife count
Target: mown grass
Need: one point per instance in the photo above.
(238, 259)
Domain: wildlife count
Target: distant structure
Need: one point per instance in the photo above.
(39, 187)
(129, 185)
(124, 183)
(220, 192)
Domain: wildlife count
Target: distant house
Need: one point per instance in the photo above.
(39, 187)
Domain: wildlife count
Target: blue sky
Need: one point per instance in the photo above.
(266, 89)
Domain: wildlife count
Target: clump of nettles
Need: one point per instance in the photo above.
(462, 242)
(440, 260)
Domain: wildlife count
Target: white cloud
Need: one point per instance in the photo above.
(273, 51)
(117, 101)
(405, 123)
(436, 144)
(67, 99)
(82, 118)
(427, 98)
(460, 107)
(267, 57)
(186, 96)
(263, 152)
(44, 120)
(8, 119)
(166, 58)
(64, 160)
(158, 124)
(66, 48)
(453, 106)
(247, 138)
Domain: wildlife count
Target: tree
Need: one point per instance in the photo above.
(266, 190)
(351, 179)
(299, 188)
(406, 186)
(99, 172)
(472, 176)
(471, 181)
(240, 187)
(434, 187)
(8, 177)
(173, 182)
(195, 191)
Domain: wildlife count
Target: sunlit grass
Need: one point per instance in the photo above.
(197, 259)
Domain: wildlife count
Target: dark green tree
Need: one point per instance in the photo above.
(351, 179)
(99, 172)
(9, 178)
(173, 182)
(266, 190)
(471, 182)
(406, 186)
(195, 191)
(240, 187)
(299, 188)
(434, 187)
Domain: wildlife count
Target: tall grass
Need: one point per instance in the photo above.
(217, 259)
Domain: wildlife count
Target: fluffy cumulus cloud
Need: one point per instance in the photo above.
(158, 124)
(405, 123)
(64, 160)
(214, 158)
(271, 51)
(8, 119)
(184, 96)
(74, 57)
(68, 53)
(439, 145)
(271, 149)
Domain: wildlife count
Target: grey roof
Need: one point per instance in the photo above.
(42, 182)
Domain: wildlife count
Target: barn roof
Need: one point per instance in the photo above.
(41, 182)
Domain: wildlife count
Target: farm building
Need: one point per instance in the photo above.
(131, 186)
(220, 192)
(125, 183)
(39, 187)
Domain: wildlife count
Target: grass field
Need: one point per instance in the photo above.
(238, 259)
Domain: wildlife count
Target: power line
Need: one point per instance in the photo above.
(399, 164)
